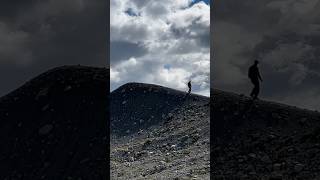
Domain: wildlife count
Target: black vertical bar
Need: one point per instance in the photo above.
(211, 87)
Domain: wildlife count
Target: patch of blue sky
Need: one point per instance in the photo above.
(167, 66)
(130, 12)
(196, 1)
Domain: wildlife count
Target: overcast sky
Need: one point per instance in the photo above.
(163, 42)
(283, 34)
(37, 35)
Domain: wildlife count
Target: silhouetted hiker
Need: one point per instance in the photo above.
(189, 86)
(255, 78)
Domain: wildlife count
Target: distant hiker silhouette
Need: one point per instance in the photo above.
(189, 86)
(255, 78)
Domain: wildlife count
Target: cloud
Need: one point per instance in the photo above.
(14, 46)
(291, 57)
(40, 35)
(169, 41)
(308, 99)
(283, 34)
(122, 50)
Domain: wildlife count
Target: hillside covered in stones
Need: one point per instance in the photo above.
(159, 133)
(262, 140)
(55, 126)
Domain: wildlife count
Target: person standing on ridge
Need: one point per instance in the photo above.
(189, 86)
(255, 78)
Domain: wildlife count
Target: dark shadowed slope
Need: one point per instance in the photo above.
(54, 126)
(263, 139)
(158, 133)
(138, 106)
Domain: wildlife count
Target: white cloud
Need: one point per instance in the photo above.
(173, 77)
(173, 34)
(114, 75)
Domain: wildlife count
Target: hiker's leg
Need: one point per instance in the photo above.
(252, 92)
(255, 90)
(258, 89)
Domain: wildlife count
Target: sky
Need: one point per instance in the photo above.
(38, 35)
(283, 34)
(160, 42)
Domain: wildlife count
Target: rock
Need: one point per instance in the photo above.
(252, 155)
(266, 159)
(42, 93)
(277, 167)
(45, 107)
(303, 121)
(45, 129)
(67, 88)
(298, 167)
(19, 124)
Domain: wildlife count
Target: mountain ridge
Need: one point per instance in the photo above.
(275, 103)
(149, 85)
(54, 126)
(262, 140)
(41, 123)
(155, 102)
(159, 133)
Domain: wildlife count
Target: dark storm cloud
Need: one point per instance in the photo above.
(282, 34)
(123, 50)
(9, 9)
(39, 35)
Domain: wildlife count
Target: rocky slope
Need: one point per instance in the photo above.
(55, 126)
(263, 140)
(158, 133)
